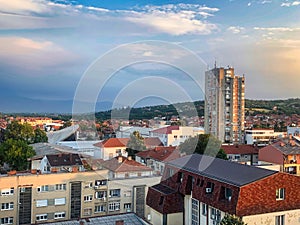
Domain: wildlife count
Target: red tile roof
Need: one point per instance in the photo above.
(152, 142)
(165, 130)
(126, 165)
(240, 149)
(113, 142)
(160, 153)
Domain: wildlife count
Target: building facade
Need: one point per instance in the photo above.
(224, 104)
(198, 189)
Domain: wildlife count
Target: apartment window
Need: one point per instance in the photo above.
(88, 198)
(41, 217)
(175, 136)
(180, 177)
(215, 215)
(59, 215)
(60, 201)
(114, 206)
(9, 191)
(99, 208)
(43, 188)
(204, 209)
(195, 212)
(100, 194)
(87, 211)
(115, 193)
(7, 220)
(60, 187)
(280, 194)
(118, 151)
(127, 207)
(228, 194)
(279, 220)
(100, 182)
(7, 206)
(41, 203)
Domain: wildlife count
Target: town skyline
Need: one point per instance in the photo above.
(46, 46)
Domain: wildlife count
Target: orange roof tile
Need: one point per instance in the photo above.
(125, 166)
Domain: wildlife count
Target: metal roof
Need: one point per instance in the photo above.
(221, 170)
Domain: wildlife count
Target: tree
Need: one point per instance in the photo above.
(15, 153)
(204, 144)
(40, 136)
(135, 144)
(232, 220)
(17, 131)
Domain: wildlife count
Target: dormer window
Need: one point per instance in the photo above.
(280, 193)
(209, 188)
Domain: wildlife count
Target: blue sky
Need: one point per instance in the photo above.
(46, 47)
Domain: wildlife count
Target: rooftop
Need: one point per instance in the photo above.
(222, 170)
(56, 136)
(240, 149)
(285, 148)
(160, 153)
(64, 159)
(166, 130)
(123, 164)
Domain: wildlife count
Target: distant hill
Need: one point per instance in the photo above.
(252, 107)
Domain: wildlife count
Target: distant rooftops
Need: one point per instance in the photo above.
(122, 142)
(160, 153)
(222, 170)
(287, 148)
(166, 130)
(240, 149)
(64, 160)
(123, 164)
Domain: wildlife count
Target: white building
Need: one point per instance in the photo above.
(260, 137)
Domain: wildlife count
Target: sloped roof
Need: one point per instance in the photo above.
(64, 160)
(165, 130)
(152, 141)
(113, 142)
(126, 165)
(56, 136)
(221, 170)
(240, 149)
(160, 153)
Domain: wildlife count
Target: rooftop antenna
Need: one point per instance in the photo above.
(215, 63)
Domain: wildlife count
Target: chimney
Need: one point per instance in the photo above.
(120, 159)
(120, 222)
(129, 157)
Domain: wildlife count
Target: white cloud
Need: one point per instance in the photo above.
(23, 7)
(279, 29)
(235, 30)
(288, 4)
(97, 9)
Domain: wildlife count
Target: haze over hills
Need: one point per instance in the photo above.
(287, 106)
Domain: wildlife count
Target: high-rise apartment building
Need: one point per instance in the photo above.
(224, 104)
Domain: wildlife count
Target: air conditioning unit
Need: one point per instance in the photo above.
(208, 190)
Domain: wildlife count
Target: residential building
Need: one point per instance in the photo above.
(246, 154)
(198, 189)
(285, 153)
(260, 137)
(157, 157)
(175, 135)
(113, 147)
(293, 130)
(126, 131)
(224, 104)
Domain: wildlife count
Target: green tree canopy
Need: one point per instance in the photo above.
(24, 132)
(232, 220)
(203, 144)
(135, 144)
(15, 153)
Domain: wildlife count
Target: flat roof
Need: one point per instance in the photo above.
(221, 170)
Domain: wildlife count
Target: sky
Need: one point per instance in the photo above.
(134, 53)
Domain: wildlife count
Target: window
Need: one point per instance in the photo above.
(60, 187)
(119, 151)
(175, 136)
(180, 177)
(7, 206)
(99, 208)
(41, 203)
(280, 194)
(170, 172)
(59, 215)
(195, 212)
(100, 182)
(43, 188)
(88, 198)
(9, 191)
(100, 194)
(41, 217)
(127, 207)
(209, 188)
(161, 200)
(60, 201)
(114, 206)
(87, 211)
(228, 194)
(204, 209)
(115, 193)
(7, 220)
(279, 220)
(215, 215)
